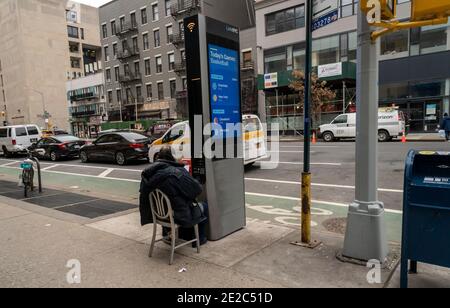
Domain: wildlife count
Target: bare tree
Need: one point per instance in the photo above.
(320, 93)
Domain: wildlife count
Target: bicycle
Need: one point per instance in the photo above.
(28, 174)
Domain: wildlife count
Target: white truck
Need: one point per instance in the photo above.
(391, 124)
(17, 139)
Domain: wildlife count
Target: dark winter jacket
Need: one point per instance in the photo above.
(446, 124)
(176, 182)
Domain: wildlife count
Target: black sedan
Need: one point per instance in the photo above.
(57, 147)
(119, 147)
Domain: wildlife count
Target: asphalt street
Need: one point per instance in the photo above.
(333, 171)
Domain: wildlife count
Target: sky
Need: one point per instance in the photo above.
(95, 3)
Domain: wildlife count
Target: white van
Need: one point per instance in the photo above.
(391, 124)
(179, 138)
(17, 139)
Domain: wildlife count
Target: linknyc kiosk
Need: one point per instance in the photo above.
(214, 95)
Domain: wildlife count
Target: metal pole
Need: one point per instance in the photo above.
(366, 233)
(136, 107)
(344, 103)
(120, 109)
(306, 176)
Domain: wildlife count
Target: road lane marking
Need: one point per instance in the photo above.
(312, 152)
(105, 173)
(10, 163)
(49, 167)
(300, 164)
(313, 201)
(320, 185)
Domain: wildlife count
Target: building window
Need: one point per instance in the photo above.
(122, 24)
(184, 83)
(117, 73)
(325, 51)
(433, 39)
(104, 31)
(144, 18)
(119, 95)
(137, 68)
(73, 32)
(82, 33)
(395, 43)
(148, 68)
(159, 66)
(135, 44)
(169, 34)
(348, 8)
(155, 11)
(106, 52)
(133, 20)
(110, 97)
(275, 60)
(168, 4)
(285, 20)
(171, 61)
(298, 57)
(161, 91)
(138, 92)
(108, 75)
(114, 50)
(173, 89)
(157, 36)
(149, 91)
(113, 28)
(71, 16)
(74, 47)
(145, 41)
(126, 69)
(124, 44)
(75, 62)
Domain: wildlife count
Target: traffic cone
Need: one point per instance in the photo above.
(404, 138)
(314, 138)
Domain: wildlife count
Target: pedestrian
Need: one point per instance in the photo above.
(172, 178)
(446, 126)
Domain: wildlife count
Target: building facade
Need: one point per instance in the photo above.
(144, 57)
(85, 77)
(414, 65)
(33, 56)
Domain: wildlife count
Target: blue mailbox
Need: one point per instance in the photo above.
(426, 211)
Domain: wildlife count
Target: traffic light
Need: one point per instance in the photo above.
(386, 8)
(429, 9)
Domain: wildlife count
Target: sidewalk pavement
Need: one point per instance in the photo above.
(37, 244)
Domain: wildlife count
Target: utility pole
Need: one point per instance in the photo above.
(366, 233)
(306, 175)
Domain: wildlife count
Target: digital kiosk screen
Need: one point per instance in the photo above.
(224, 89)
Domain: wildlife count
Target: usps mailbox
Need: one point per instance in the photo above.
(426, 211)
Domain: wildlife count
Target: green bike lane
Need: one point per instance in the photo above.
(271, 209)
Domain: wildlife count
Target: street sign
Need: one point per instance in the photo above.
(325, 12)
(271, 80)
(330, 70)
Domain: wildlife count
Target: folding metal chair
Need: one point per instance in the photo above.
(163, 216)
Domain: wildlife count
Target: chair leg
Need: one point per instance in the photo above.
(197, 236)
(152, 246)
(174, 241)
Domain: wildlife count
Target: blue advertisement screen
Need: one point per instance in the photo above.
(224, 88)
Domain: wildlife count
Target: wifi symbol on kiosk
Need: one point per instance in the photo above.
(191, 26)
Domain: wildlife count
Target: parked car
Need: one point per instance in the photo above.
(120, 147)
(57, 147)
(159, 129)
(17, 139)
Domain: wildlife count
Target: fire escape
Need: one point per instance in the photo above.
(130, 76)
(179, 10)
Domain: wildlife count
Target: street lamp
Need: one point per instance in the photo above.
(44, 108)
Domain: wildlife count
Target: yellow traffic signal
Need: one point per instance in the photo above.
(429, 9)
(386, 8)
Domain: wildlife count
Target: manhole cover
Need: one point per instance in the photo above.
(336, 225)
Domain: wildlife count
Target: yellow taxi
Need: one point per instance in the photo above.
(179, 138)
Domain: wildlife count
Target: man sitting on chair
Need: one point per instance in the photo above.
(182, 189)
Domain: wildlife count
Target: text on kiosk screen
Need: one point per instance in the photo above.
(224, 89)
